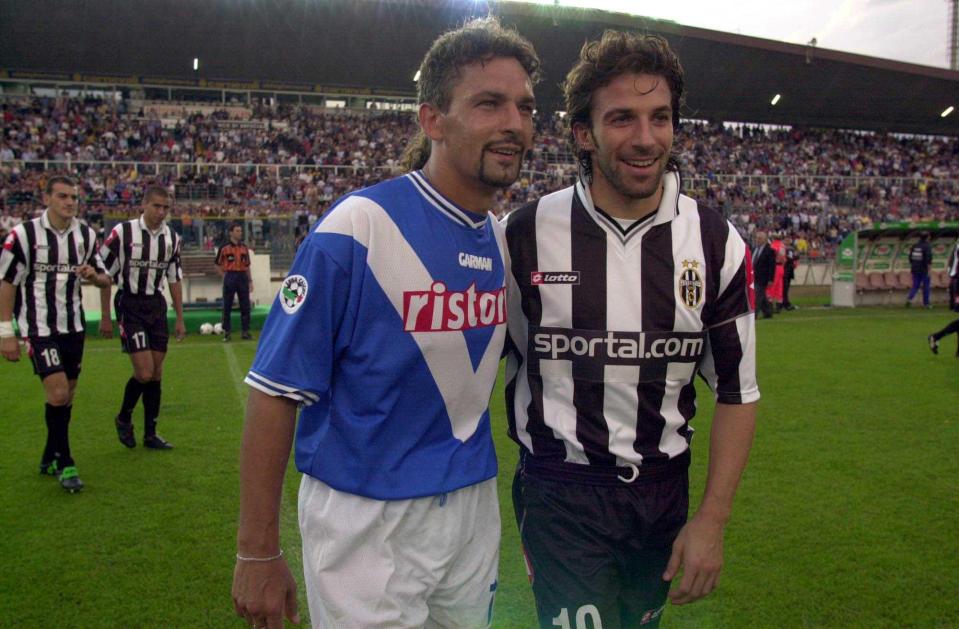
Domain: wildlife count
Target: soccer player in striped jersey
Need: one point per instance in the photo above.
(389, 331)
(622, 290)
(41, 265)
(953, 326)
(142, 255)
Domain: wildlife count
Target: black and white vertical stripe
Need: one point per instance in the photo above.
(139, 260)
(599, 410)
(42, 262)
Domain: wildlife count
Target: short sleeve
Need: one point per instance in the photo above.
(308, 324)
(729, 362)
(110, 251)
(174, 272)
(13, 262)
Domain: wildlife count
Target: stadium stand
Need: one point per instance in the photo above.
(268, 161)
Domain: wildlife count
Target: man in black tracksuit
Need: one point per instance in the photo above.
(920, 259)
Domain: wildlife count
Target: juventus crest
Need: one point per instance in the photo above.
(691, 284)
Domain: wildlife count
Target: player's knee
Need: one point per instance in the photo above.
(58, 395)
(143, 374)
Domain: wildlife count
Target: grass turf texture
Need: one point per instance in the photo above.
(846, 516)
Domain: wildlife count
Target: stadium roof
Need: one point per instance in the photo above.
(378, 44)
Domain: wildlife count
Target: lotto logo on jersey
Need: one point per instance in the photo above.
(538, 278)
(442, 310)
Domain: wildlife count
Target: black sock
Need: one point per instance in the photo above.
(131, 395)
(65, 458)
(51, 415)
(151, 407)
(58, 435)
(946, 331)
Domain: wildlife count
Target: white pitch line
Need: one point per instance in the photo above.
(236, 375)
(289, 520)
(837, 318)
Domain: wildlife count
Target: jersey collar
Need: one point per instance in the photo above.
(159, 230)
(667, 211)
(45, 222)
(435, 198)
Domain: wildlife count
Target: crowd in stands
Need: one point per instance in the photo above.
(813, 184)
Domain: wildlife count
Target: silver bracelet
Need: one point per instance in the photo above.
(261, 559)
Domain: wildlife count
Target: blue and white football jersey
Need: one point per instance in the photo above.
(388, 330)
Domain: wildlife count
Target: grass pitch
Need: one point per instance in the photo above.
(847, 515)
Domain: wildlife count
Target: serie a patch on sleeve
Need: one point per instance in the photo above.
(293, 293)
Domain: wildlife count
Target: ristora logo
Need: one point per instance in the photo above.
(691, 284)
(538, 278)
(443, 310)
(293, 293)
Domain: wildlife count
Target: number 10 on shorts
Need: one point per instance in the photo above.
(584, 612)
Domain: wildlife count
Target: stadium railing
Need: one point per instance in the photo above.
(692, 182)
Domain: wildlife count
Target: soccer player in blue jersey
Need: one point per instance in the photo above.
(388, 333)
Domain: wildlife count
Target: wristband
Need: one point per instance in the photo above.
(259, 559)
(6, 329)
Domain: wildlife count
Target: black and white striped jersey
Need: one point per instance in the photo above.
(138, 259)
(608, 325)
(42, 263)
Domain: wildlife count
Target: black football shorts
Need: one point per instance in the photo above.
(143, 322)
(53, 354)
(595, 546)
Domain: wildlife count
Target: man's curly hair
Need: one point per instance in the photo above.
(600, 62)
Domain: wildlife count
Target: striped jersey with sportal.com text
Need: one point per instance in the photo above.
(389, 330)
(139, 260)
(608, 325)
(42, 263)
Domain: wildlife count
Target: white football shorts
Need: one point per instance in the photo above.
(393, 564)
